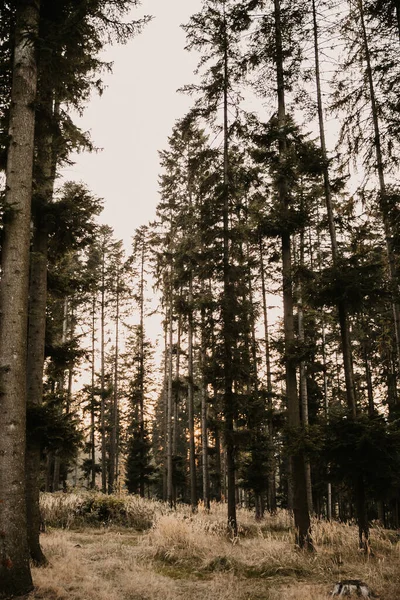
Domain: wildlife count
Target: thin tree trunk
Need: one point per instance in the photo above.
(368, 379)
(61, 394)
(329, 487)
(141, 367)
(176, 404)
(362, 516)
(218, 467)
(190, 398)
(177, 396)
(165, 407)
(114, 411)
(272, 463)
(390, 249)
(102, 374)
(300, 503)
(92, 403)
(303, 371)
(258, 427)
(341, 306)
(170, 487)
(192, 449)
(204, 419)
(227, 317)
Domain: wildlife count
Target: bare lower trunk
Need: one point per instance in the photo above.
(300, 503)
(362, 516)
(102, 374)
(165, 409)
(218, 466)
(192, 449)
(34, 372)
(329, 486)
(380, 169)
(170, 487)
(204, 420)
(303, 374)
(92, 403)
(342, 309)
(114, 408)
(272, 461)
(45, 167)
(15, 576)
(142, 374)
(227, 316)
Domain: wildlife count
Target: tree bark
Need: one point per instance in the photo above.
(303, 374)
(227, 317)
(204, 415)
(34, 375)
(300, 504)
(114, 407)
(92, 403)
(390, 249)
(192, 448)
(141, 374)
(102, 371)
(341, 306)
(329, 486)
(45, 170)
(15, 576)
(272, 463)
(170, 487)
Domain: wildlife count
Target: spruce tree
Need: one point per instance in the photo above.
(15, 577)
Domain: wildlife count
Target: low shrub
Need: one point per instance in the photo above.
(66, 510)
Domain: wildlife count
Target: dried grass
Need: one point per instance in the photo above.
(186, 556)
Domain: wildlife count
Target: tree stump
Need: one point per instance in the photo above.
(352, 587)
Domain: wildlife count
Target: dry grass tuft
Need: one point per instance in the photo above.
(94, 508)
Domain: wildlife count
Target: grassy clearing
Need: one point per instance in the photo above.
(184, 556)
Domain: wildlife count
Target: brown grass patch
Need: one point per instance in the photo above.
(184, 557)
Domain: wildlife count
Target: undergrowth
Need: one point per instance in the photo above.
(132, 549)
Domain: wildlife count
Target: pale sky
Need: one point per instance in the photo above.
(133, 119)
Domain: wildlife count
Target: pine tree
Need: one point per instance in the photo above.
(15, 577)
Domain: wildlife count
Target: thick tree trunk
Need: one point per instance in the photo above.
(45, 174)
(300, 503)
(15, 577)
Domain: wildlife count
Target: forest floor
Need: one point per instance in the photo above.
(184, 557)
